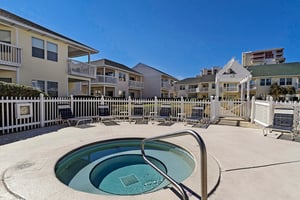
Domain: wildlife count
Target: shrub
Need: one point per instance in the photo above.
(16, 90)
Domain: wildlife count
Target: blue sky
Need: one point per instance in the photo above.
(179, 37)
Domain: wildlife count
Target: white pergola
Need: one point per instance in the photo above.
(233, 72)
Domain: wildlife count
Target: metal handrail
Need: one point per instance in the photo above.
(203, 161)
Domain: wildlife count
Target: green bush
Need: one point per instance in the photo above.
(16, 90)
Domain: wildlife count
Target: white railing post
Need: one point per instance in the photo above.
(129, 106)
(72, 102)
(181, 107)
(42, 110)
(270, 111)
(212, 109)
(102, 100)
(252, 114)
(155, 105)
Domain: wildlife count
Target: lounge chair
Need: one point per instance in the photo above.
(164, 113)
(196, 116)
(66, 115)
(104, 113)
(283, 122)
(138, 113)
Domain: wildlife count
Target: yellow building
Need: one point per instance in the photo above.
(36, 56)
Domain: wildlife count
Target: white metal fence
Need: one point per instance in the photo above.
(43, 111)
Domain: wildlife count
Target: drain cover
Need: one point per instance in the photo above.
(129, 180)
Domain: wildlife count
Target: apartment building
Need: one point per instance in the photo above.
(33, 55)
(156, 82)
(229, 82)
(202, 86)
(285, 75)
(261, 57)
(116, 80)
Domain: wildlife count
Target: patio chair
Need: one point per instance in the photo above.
(196, 116)
(283, 122)
(66, 115)
(138, 113)
(104, 113)
(164, 113)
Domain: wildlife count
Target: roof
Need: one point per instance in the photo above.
(22, 22)
(115, 65)
(264, 50)
(163, 73)
(282, 69)
(199, 79)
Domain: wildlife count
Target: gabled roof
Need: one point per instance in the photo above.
(114, 65)
(233, 72)
(282, 69)
(18, 21)
(161, 72)
(200, 79)
(189, 81)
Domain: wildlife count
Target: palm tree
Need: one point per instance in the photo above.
(275, 91)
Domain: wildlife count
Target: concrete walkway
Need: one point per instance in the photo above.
(251, 166)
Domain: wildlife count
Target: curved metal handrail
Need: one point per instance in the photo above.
(203, 161)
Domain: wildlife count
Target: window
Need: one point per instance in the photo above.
(52, 88)
(285, 81)
(288, 81)
(193, 86)
(122, 76)
(38, 48)
(268, 81)
(6, 80)
(265, 81)
(51, 51)
(38, 84)
(182, 87)
(109, 73)
(269, 54)
(213, 86)
(5, 36)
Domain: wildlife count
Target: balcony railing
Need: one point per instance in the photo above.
(166, 85)
(103, 79)
(10, 54)
(230, 89)
(78, 68)
(192, 90)
(136, 84)
(203, 89)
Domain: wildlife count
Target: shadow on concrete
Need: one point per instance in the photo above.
(17, 136)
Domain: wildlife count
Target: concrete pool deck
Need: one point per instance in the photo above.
(251, 166)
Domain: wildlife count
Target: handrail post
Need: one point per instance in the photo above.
(203, 160)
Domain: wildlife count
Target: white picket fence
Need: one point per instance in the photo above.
(44, 111)
(262, 111)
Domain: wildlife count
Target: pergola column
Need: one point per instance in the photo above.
(248, 88)
(217, 88)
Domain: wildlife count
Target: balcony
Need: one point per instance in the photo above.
(192, 90)
(103, 79)
(136, 84)
(165, 85)
(10, 55)
(82, 69)
(230, 89)
(203, 89)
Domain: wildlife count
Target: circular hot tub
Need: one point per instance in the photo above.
(116, 167)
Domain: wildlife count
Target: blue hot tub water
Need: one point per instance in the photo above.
(116, 167)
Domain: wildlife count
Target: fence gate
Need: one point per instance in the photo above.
(234, 108)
